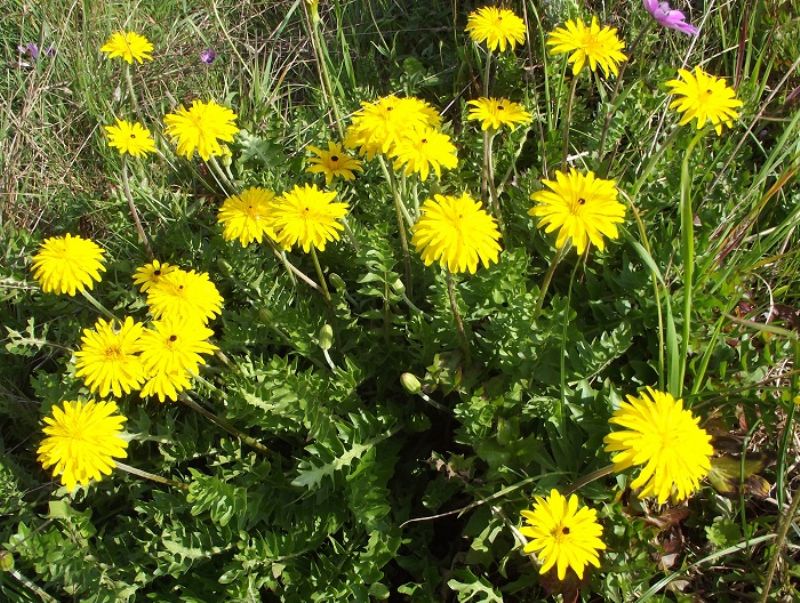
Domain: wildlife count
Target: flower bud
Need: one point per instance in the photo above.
(265, 314)
(326, 337)
(6, 561)
(336, 281)
(398, 287)
(410, 383)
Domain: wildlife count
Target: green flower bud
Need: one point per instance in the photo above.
(326, 337)
(410, 383)
(6, 561)
(336, 281)
(399, 287)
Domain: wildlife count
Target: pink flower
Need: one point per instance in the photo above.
(674, 19)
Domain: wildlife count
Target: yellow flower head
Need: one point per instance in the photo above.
(148, 275)
(246, 216)
(201, 128)
(68, 264)
(704, 97)
(182, 294)
(308, 217)
(130, 138)
(597, 46)
(175, 345)
(423, 149)
(563, 534)
(128, 45)
(494, 113)
(584, 209)
(81, 441)
(166, 384)
(457, 233)
(664, 437)
(498, 27)
(333, 163)
(107, 360)
(379, 125)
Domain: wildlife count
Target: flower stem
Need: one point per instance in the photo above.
(487, 73)
(779, 540)
(588, 479)
(103, 310)
(131, 91)
(546, 282)
(488, 171)
(151, 476)
(126, 187)
(224, 424)
(224, 180)
(567, 118)
(320, 275)
(687, 256)
(399, 207)
(462, 335)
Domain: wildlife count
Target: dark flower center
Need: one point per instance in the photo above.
(156, 272)
(565, 530)
(133, 135)
(500, 107)
(173, 338)
(424, 141)
(581, 201)
(334, 158)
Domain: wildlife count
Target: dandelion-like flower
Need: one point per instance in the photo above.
(175, 344)
(130, 138)
(582, 207)
(333, 163)
(456, 232)
(68, 264)
(108, 360)
(494, 113)
(563, 534)
(379, 125)
(246, 216)
(150, 274)
(166, 385)
(704, 97)
(423, 150)
(129, 46)
(182, 294)
(82, 439)
(664, 437)
(498, 27)
(308, 217)
(592, 44)
(669, 17)
(201, 128)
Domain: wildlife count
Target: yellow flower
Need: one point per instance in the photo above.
(246, 216)
(664, 437)
(107, 360)
(307, 216)
(175, 344)
(457, 233)
(82, 440)
(128, 45)
(333, 163)
(597, 46)
(583, 207)
(166, 384)
(704, 97)
(424, 149)
(494, 113)
(68, 264)
(378, 126)
(148, 275)
(498, 27)
(201, 128)
(562, 534)
(131, 138)
(182, 294)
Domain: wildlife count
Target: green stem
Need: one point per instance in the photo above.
(567, 118)
(223, 178)
(652, 162)
(488, 164)
(562, 399)
(546, 282)
(779, 540)
(401, 227)
(462, 335)
(98, 306)
(126, 187)
(588, 479)
(687, 254)
(224, 424)
(151, 476)
(780, 466)
(320, 275)
(487, 73)
(131, 91)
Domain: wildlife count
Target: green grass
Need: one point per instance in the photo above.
(370, 491)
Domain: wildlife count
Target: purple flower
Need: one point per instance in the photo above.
(31, 49)
(674, 19)
(208, 56)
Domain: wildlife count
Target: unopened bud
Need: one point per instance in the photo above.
(326, 337)
(224, 267)
(410, 383)
(265, 314)
(398, 287)
(6, 561)
(336, 281)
